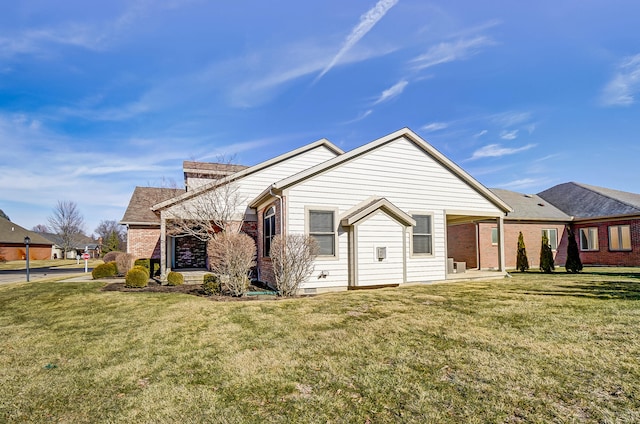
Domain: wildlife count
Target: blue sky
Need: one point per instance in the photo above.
(98, 97)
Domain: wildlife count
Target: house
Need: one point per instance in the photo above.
(380, 213)
(80, 244)
(476, 243)
(12, 246)
(606, 222)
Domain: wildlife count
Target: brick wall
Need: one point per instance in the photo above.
(18, 253)
(604, 256)
(461, 244)
(144, 242)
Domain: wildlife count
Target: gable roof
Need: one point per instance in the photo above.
(212, 170)
(586, 201)
(379, 203)
(408, 134)
(530, 207)
(143, 198)
(12, 233)
(248, 171)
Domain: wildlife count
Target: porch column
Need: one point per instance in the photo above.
(501, 257)
(163, 245)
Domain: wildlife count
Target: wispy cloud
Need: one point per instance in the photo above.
(360, 117)
(451, 51)
(509, 135)
(480, 133)
(367, 22)
(391, 92)
(621, 90)
(510, 118)
(435, 126)
(524, 183)
(496, 150)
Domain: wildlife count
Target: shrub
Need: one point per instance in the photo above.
(573, 264)
(136, 277)
(292, 257)
(124, 261)
(111, 256)
(175, 278)
(146, 262)
(522, 262)
(142, 268)
(211, 284)
(231, 255)
(546, 255)
(105, 270)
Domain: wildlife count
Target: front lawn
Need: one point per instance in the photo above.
(533, 348)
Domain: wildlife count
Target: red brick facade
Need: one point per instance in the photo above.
(144, 242)
(604, 255)
(18, 253)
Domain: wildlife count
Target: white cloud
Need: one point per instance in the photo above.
(480, 134)
(359, 117)
(435, 126)
(392, 92)
(509, 135)
(510, 118)
(449, 52)
(496, 150)
(524, 183)
(620, 91)
(367, 22)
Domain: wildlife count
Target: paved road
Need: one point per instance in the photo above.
(35, 274)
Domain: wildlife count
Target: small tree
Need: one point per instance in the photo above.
(522, 262)
(112, 235)
(292, 257)
(232, 255)
(573, 264)
(546, 255)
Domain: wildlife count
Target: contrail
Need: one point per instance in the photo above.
(367, 22)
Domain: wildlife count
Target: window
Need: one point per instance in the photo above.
(620, 237)
(552, 236)
(422, 235)
(494, 236)
(268, 229)
(322, 228)
(589, 238)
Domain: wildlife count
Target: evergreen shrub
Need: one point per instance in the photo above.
(108, 269)
(175, 278)
(136, 277)
(211, 284)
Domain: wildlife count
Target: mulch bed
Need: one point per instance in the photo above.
(192, 289)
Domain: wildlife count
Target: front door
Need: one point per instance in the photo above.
(189, 252)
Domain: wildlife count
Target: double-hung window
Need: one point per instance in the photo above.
(552, 236)
(322, 228)
(268, 230)
(422, 235)
(620, 237)
(589, 238)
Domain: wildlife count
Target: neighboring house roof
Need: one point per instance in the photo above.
(80, 241)
(247, 171)
(211, 170)
(530, 207)
(409, 135)
(12, 233)
(586, 201)
(143, 198)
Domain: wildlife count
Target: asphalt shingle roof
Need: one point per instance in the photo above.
(139, 208)
(530, 206)
(587, 201)
(11, 232)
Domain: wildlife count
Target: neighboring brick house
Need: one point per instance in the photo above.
(12, 247)
(477, 243)
(606, 222)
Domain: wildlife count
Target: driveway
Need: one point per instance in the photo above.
(35, 274)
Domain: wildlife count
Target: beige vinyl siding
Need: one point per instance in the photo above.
(407, 177)
(380, 231)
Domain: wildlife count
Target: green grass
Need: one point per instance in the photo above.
(533, 348)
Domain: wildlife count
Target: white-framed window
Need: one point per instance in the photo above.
(268, 230)
(552, 236)
(422, 235)
(321, 226)
(494, 236)
(620, 237)
(589, 238)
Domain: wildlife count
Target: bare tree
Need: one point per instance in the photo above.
(292, 257)
(68, 223)
(40, 228)
(215, 206)
(232, 255)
